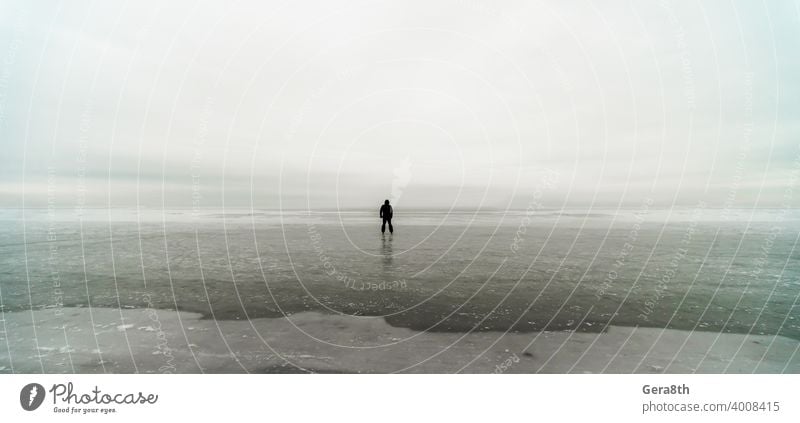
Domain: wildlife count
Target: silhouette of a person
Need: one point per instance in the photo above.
(386, 214)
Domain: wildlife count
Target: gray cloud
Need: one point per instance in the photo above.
(309, 103)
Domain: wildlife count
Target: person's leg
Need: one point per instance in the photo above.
(383, 226)
(391, 228)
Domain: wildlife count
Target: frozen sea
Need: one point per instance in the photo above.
(692, 289)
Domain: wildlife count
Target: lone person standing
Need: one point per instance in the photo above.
(386, 215)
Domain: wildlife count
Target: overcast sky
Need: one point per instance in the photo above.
(343, 104)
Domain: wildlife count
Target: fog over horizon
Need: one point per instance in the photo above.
(461, 104)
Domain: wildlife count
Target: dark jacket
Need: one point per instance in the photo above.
(386, 211)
